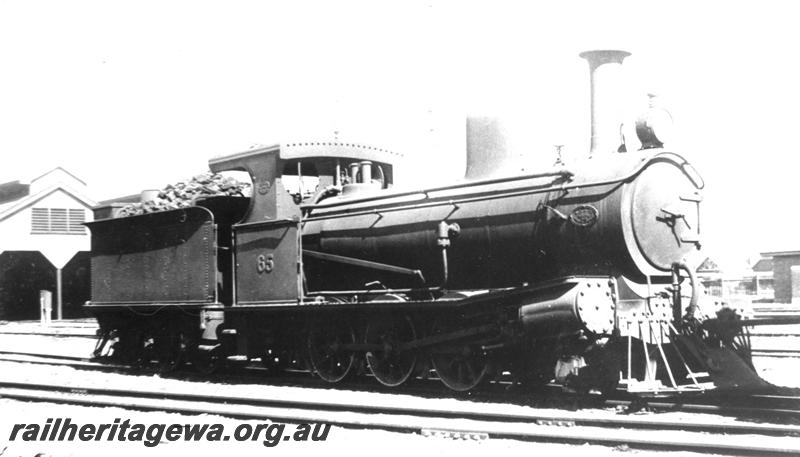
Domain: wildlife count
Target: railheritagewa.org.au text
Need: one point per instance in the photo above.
(269, 434)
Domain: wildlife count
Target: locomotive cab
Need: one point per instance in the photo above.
(267, 241)
(307, 173)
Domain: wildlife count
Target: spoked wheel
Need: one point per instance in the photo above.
(460, 366)
(328, 357)
(390, 364)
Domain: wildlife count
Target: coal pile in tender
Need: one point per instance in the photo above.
(184, 193)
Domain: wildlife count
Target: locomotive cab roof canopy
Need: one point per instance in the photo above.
(266, 165)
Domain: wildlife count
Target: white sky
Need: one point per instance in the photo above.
(138, 94)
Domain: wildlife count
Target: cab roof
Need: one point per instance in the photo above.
(320, 149)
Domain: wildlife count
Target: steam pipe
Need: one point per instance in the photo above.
(677, 307)
(443, 233)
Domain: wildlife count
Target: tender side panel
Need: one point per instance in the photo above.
(161, 257)
(266, 262)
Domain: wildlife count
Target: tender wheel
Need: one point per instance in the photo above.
(125, 346)
(170, 347)
(390, 364)
(207, 362)
(460, 366)
(144, 350)
(328, 358)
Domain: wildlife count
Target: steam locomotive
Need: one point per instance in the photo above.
(576, 273)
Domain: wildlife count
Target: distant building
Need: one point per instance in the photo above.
(754, 281)
(786, 274)
(764, 278)
(44, 245)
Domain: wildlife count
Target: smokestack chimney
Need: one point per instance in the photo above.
(487, 148)
(604, 71)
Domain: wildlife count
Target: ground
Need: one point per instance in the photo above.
(340, 441)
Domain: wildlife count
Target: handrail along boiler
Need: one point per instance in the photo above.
(573, 272)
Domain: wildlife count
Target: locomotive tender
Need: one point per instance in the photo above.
(574, 272)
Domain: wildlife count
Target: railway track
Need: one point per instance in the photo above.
(52, 334)
(59, 329)
(758, 406)
(54, 359)
(466, 420)
(783, 353)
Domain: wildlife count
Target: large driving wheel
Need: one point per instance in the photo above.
(331, 361)
(390, 363)
(460, 365)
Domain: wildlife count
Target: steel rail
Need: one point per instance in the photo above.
(467, 413)
(727, 408)
(49, 356)
(52, 334)
(772, 404)
(633, 431)
(769, 405)
(59, 360)
(782, 353)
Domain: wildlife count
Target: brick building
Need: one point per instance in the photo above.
(786, 275)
